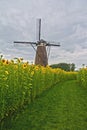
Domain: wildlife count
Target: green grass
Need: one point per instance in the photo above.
(63, 107)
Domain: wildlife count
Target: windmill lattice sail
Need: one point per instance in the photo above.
(38, 29)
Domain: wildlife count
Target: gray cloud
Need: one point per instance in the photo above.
(63, 21)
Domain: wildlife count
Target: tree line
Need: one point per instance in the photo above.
(64, 66)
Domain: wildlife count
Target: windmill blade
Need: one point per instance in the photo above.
(20, 42)
(50, 44)
(38, 29)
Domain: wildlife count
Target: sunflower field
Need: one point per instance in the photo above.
(82, 77)
(21, 82)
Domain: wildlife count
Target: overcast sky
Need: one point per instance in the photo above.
(63, 21)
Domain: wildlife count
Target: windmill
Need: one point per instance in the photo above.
(41, 52)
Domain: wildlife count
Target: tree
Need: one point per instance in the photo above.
(72, 67)
(64, 66)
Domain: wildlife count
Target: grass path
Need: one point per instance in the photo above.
(63, 107)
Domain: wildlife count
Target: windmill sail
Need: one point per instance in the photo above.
(38, 29)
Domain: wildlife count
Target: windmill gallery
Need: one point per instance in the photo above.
(41, 57)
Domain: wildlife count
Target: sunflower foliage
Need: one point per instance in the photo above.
(21, 82)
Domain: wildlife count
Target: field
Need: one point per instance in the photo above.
(48, 97)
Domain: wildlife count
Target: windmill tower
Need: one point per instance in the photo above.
(41, 57)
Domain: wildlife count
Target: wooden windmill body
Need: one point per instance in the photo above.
(41, 57)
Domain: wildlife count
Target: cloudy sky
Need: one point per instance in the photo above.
(63, 21)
